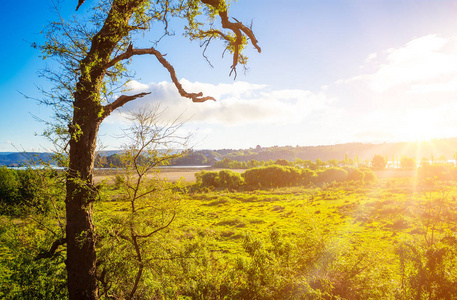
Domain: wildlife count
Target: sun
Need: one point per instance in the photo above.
(419, 126)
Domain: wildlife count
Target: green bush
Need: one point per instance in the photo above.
(22, 274)
(9, 186)
(355, 174)
(332, 174)
(308, 176)
(440, 172)
(272, 176)
(369, 175)
(25, 189)
(207, 179)
(222, 179)
(229, 179)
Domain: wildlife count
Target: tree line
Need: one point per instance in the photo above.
(275, 176)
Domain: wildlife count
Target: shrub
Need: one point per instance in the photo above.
(9, 186)
(207, 179)
(272, 176)
(308, 176)
(440, 172)
(26, 189)
(369, 175)
(222, 179)
(28, 180)
(355, 174)
(229, 179)
(332, 174)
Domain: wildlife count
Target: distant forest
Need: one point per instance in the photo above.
(434, 149)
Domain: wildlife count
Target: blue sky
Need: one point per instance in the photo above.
(330, 71)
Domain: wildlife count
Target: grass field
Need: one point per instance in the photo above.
(361, 229)
(390, 239)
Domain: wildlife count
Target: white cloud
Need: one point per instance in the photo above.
(409, 93)
(237, 104)
(422, 61)
(136, 86)
(371, 57)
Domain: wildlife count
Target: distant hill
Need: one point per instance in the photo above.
(23, 158)
(437, 148)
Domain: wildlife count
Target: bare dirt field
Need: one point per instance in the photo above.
(171, 174)
(389, 173)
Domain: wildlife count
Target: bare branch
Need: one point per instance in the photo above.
(158, 229)
(237, 28)
(109, 108)
(195, 97)
(80, 2)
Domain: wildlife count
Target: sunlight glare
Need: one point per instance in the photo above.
(419, 126)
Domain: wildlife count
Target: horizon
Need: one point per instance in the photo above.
(428, 141)
(343, 71)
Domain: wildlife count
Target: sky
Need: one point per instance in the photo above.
(330, 72)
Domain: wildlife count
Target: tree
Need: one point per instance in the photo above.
(152, 204)
(407, 163)
(378, 162)
(93, 56)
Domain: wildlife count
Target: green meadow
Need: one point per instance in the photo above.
(393, 238)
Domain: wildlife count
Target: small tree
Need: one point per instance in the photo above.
(407, 163)
(378, 162)
(129, 243)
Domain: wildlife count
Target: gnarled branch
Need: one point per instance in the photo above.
(109, 108)
(195, 97)
(237, 28)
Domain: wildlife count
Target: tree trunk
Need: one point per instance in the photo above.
(88, 113)
(81, 255)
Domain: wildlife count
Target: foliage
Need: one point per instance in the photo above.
(355, 174)
(225, 179)
(407, 163)
(428, 270)
(378, 162)
(332, 174)
(280, 176)
(128, 244)
(9, 186)
(28, 268)
(347, 240)
(437, 171)
(26, 190)
(272, 176)
(369, 175)
(229, 179)
(23, 276)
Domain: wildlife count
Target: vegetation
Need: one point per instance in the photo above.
(378, 162)
(92, 56)
(281, 176)
(346, 239)
(25, 190)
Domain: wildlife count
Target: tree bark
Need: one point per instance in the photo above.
(81, 255)
(88, 113)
